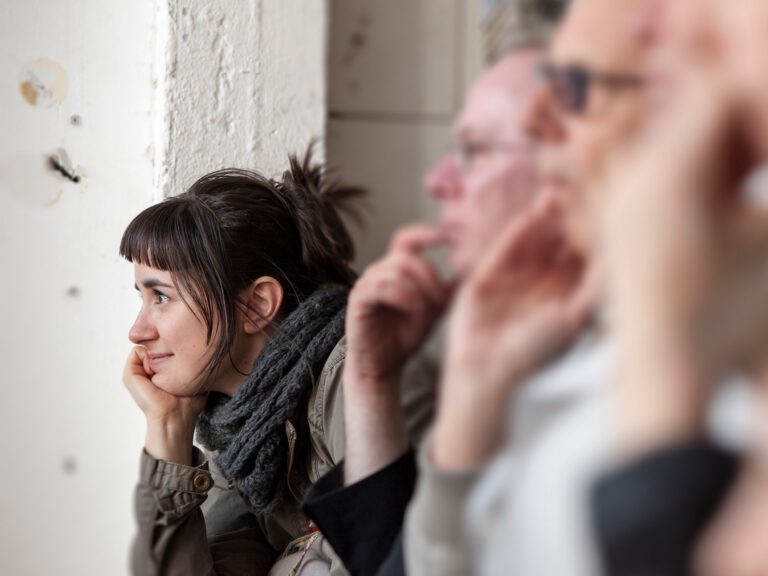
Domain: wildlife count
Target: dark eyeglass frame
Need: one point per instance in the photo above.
(571, 83)
(467, 151)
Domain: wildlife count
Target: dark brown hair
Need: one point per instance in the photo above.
(233, 226)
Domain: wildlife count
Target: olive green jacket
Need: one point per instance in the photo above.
(192, 521)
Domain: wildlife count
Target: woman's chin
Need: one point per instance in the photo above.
(182, 390)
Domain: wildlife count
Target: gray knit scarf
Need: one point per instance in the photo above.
(248, 429)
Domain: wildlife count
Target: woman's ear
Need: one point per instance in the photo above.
(262, 301)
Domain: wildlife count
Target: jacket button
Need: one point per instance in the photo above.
(202, 483)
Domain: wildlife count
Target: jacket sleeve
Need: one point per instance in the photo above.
(363, 521)
(417, 395)
(648, 514)
(434, 541)
(174, 537)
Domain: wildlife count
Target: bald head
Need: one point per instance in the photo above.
(505, 88)
(512, 73)
(497, 178)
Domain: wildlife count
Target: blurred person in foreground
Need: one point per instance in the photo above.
(524, 419)
(490, 181)
(685, 240)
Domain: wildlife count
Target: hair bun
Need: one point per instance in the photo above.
(318, 204)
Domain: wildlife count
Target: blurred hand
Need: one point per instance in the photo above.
(682, 237)
(526, 301)
(686, 251)
(170, 419)
(723, 40)
(393, 307)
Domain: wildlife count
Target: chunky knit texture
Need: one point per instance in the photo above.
(248, 430)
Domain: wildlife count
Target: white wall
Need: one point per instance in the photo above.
(143, 95)
(70, 435)
(398, 72)
(243, 84)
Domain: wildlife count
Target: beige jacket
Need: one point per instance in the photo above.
(191, 521)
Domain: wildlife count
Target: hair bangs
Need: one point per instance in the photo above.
(161, 237)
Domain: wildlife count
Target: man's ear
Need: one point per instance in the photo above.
(262, 301)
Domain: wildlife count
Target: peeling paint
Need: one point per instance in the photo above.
(224, 81)
(61, 164)
(29, 92)
(43, 83)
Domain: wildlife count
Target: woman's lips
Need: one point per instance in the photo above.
(156, 359)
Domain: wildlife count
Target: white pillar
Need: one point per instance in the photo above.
(243, 85)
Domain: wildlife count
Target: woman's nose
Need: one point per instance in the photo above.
(142, 329)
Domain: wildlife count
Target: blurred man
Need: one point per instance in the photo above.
(489, 181)
(394, 306)
(529, 514)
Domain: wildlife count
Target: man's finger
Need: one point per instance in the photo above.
(532, 232)
(414, 239)
(424, 275)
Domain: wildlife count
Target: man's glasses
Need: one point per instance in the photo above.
(571, 84)
(471, 155)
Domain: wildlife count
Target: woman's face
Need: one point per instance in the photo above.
(173, 334)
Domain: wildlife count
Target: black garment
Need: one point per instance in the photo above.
(363, 522)
(648, 515)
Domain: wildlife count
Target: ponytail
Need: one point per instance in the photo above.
(317, 205)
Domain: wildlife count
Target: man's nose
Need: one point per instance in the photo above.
(445, 180)
(541, 121)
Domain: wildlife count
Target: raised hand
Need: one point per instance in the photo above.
(684, 245)
(170, 419)
(394, 306)
(525, 302)
(392, 309)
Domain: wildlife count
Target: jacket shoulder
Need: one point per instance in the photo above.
(326, 413)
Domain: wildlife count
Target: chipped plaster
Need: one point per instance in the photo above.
(236, 87)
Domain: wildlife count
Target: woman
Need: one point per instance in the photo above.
(244, 284)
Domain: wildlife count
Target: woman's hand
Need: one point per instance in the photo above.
(170, 419)
(524, 303)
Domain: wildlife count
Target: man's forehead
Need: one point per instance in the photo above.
(499, 94)
(601, 34)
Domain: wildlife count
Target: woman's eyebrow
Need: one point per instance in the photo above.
(151, 283)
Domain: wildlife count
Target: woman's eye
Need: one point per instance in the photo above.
(161, 298)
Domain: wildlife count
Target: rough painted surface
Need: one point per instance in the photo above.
(243, 85)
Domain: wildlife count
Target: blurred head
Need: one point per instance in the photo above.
(492, 177)
(216, 265)
(589, 104)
